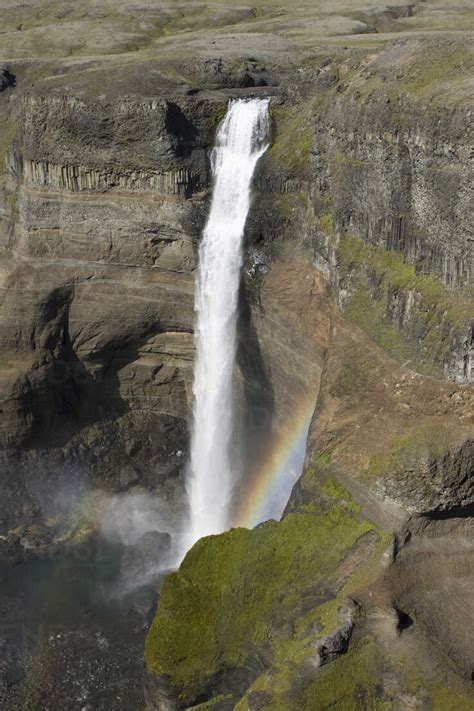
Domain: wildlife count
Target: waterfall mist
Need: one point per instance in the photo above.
(240, 141)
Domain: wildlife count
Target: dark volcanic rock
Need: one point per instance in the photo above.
(7, 79)
(336, 643)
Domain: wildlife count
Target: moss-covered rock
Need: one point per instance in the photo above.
(7, 136)
(411, 316)
(293, 139)
(369, 677)
(217, 114)
(246, 598)
(350, 682)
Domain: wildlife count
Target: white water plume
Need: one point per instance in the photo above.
(241, 140)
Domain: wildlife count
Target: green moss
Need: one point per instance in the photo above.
(350, 682)
(445, 693)
(325, 616)
(438, 318)
(322, 459)
(340, 161)
(238, 591)
(325, 212)
(424, 77)
(293, 138)
(336, 491)
(436, 72)
(327, 223)
(412, 679)
(318, 466)
(371, 315)
(449, 695)
(213, 702)
(317, 471)
(429, 440)
(352, 379)
(291, 651)
(332, 488)
(291, 203)
(354, 681)
(7, 134)
(217, 115)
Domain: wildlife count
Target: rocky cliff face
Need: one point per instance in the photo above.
(99, 222)
(348, 195)
(394, 146)
(356, 303)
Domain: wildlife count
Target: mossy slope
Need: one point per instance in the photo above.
(250, 595)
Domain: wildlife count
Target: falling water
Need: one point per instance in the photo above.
(241, 140)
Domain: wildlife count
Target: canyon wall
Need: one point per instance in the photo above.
(356, 299)
(99, 221)
(349, 191)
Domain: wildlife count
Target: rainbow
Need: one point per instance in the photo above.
(270, 486)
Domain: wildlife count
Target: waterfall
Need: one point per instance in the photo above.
(241, 140)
